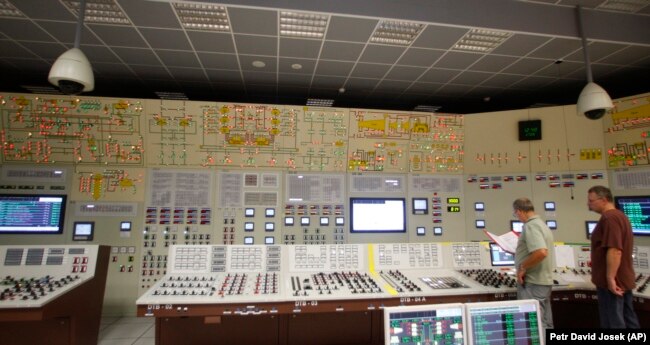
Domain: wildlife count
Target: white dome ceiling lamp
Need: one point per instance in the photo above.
(593, 101)
(72, 72)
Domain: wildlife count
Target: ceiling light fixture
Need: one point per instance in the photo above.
(481, 40)
(7, 9)
(308, 25)
(171, 95)
(100, 11)
(593, 101)
(318, 102)
(630, 6)
(427, 108)
(395, 32)
(202, 17)
(258, 64)
(72, 72)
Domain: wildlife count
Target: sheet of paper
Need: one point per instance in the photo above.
(564, 256)
(507, 241)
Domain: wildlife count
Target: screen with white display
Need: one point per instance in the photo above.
(377, 215)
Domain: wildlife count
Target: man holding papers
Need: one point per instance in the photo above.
(534, 259)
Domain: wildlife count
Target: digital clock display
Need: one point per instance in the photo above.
(453, 200)
(453, 209)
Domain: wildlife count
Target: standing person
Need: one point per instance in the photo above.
(611, 261)
(534, 259)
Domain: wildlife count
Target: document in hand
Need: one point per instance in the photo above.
(507, 241)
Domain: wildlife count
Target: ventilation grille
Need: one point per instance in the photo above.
(315, 188)
(377, 184)
(260, 199)
(250, 180)
(33, 174)
(270, 180)
(440, 184)
(637, 179)
(107, 209)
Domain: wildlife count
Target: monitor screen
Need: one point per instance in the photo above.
(270, 212)
(479, 206)
(32, 214)
(377, 215)
(552, 224)
(324, 221)
(480, 223)
(590, 226)
(437, 231)
(425, 324)
(420, 231)
(83, 231)
(249, 212)
(549, 206)
(249, 226)
(269, 226)
(125, 226)
(504, 322)
(499, 257)
(637, 209)
(248, 240)
(420, 206)
(517, 226)
(339, 221)
(269, 240)
(288, 221)
(304, 220)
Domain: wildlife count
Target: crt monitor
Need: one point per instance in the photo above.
(420, 206)
(504, 322)
(425, 324)
(36, 214)
(377, 215)
(499, 257)
(590, 226)
(83, 231)
(637, 209)
(517, 226)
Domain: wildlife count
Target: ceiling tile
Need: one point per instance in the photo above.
(334, 68)
(457, 60)
(405, 73)
(436, 75)
(420, 57)
(428, 88)
(100, 54)
(450, 90)
(471, 78)
(532, 83)
(23, 30)
(49, 51)
(246, 62)
(557, 48)
(286, 66)
(112, 70)
(627, 56)
(219, 61)
(253, 21)
(502, 80)
(492, 63)
(119, 36)
(561, 70)
(350, 29)
(343, 51)
(151, 14)
(300, 80)
(520, 45)
(527, 66)
(66, 32)
(329, 82)
(360, 84)
(251, 77)
(39, 9)
(366, 70)
(300, 48)
(214, 42)
(166, 39)
(150, 72)
(396, 86)
(256, 45)
(224, 76)
(441, 37)
(191, 74)
(137, 56)
(178, 58)
(381, 53)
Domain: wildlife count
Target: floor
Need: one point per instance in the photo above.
(127, 331)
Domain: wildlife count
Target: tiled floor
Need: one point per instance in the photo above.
(127, 331)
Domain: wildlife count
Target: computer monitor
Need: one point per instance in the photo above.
(377, 215)
(517, 226)
(552, 224)
(83, 231)
(425, 324)
(590, 226)
(504, 322)
(420, 206)
(637, 209)
(549, 205)
(36, 214)
(499, 257)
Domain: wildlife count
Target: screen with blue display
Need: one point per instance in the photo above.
(31, 214)
(637, 209)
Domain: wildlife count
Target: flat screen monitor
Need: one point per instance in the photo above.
(269, 226)
(324, 221)
(125, 226)
(479, 223)
(425, 324)
(377, 215)
(479, 206)
(437, 231)
(420, 206)
(499, 257)
(269, 212)
(269, 240)
(637, 209)
(32, 214)
(249, 226)
(288, 221)
(249, 212)
(420, 231)
(517, 226)
(590, 226)
(83, 231)
(339, 221)
(304, 220)
(504, 322)
(249, 240)
(552, 224)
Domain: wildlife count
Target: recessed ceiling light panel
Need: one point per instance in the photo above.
(171, 95)
(296, 24)
(8, 10)
(480, 40)
(99, 11)
(318, 102)
(202, 17)
(396, 32)
(631, 6)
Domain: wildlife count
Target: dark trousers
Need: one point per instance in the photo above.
(616, 311)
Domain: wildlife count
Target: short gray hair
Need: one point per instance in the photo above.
(523, 204)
